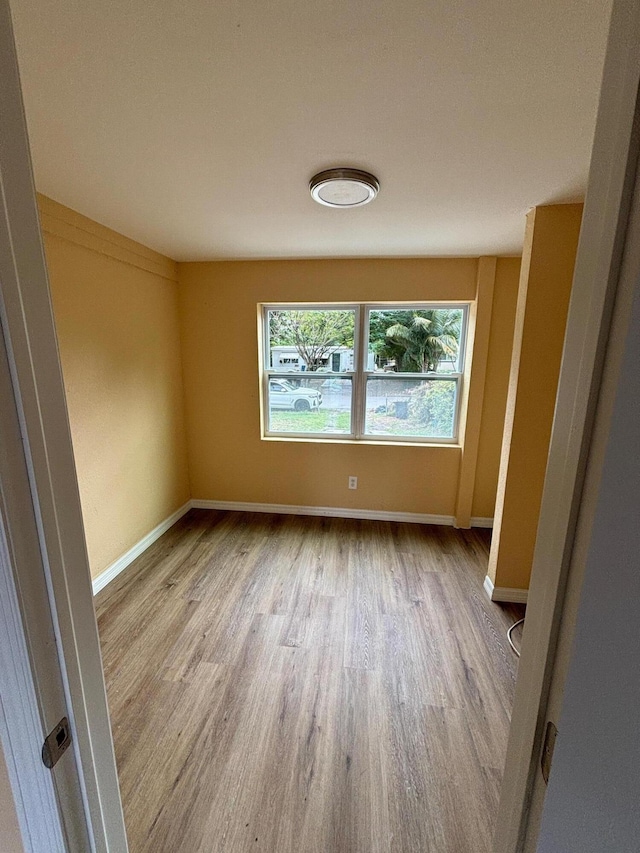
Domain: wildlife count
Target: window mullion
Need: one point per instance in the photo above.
(359, 390)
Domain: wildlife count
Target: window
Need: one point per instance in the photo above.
(372, 372)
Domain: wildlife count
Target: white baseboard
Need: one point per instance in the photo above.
(505, 593)
(479, 521)
(336, 512)
(329, 511)
(129, 556)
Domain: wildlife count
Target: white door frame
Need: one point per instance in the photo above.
(23, 721)
(595, 284)
(31, 344)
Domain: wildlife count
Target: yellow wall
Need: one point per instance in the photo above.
(551, 242)
(227, 458)
(10, 836)
(505, 297)
(116, 311)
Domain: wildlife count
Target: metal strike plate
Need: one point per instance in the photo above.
(547, 750)
(56, 743)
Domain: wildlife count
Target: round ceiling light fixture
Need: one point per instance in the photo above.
(344, 187)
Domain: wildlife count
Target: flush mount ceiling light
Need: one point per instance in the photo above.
(343, 187)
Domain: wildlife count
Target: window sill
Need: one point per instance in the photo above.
(368, 441)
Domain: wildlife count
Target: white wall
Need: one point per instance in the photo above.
(593, 800)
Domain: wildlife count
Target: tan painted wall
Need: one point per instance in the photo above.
(505, 297)
(551, 242)
(227, 458)
(10, 837)
(116, 311)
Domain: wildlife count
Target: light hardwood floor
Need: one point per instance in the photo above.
(281, 684)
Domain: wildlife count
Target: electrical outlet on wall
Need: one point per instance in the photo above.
(353, 482)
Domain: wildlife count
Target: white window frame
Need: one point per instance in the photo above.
(360, 374)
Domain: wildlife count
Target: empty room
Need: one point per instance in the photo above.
(310, 267)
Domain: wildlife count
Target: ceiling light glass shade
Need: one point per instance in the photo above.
(344, 187)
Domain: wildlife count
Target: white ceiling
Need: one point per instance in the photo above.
(194, 126)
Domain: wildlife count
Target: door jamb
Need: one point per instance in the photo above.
(21, 729)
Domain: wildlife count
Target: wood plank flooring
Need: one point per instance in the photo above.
(280, 684)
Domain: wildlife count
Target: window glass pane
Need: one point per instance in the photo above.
(422, 408)
(415, 341)
(310, 404)
(311, 340)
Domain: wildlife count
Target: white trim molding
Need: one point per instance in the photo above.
(480, 521)
(336, 512)
(328, 511)
(21, 729)
(129, 556)
(505, 593)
